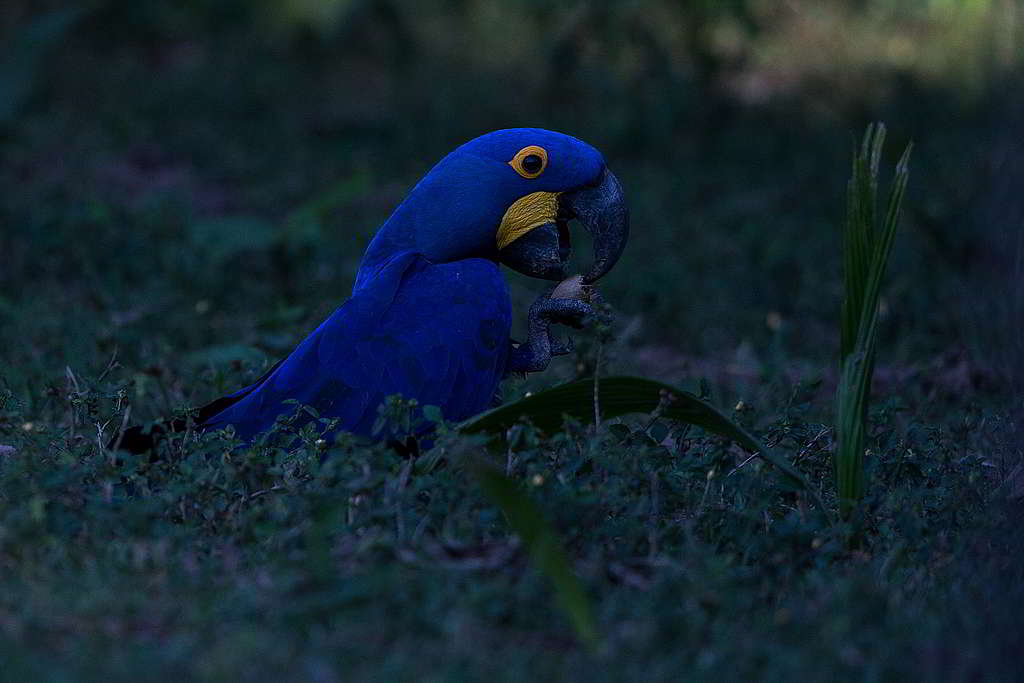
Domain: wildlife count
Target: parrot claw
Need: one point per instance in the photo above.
(571, 312)
(563, 348)
(536, 353)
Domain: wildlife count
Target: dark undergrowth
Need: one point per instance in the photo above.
(270, 564)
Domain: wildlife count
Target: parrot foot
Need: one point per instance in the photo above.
(536, 353)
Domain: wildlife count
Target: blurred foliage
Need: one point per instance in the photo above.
(19, 71)
(186, 189)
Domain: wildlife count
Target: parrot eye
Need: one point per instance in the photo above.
(530, 161)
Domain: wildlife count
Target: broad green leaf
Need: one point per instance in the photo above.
(621, 396)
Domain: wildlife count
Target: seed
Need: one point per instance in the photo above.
(573, 288)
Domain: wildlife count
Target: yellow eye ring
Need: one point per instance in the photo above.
(530, 161)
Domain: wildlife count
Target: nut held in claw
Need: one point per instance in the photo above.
(573, 288)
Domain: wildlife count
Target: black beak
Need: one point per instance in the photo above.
(601, 208)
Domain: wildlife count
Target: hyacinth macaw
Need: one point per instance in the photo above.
(429, 317)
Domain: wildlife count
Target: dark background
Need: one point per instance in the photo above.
(190, 186)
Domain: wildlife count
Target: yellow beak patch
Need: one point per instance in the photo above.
(527, 213)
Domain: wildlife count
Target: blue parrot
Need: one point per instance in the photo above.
(429, 316)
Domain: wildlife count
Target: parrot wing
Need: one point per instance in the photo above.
(434, 332)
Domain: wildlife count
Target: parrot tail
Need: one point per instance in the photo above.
(142, 439)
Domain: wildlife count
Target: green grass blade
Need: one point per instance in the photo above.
(859, 233)
(880, 255)
(543, 545)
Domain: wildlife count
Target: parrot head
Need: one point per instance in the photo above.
(509, 196)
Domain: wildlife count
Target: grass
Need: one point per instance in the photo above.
(866, 247)
(185, 191)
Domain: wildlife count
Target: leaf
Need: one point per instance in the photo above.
(541, 543)
(621, 396)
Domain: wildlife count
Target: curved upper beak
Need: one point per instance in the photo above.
(601, 208)
(602, 211)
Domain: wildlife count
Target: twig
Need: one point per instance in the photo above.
(71, 376)
(272, 489)
(124, 426)
(807, 449)
(707, 487)
(749, 458)
(664, 399)
(100, 428)
(113, 364)
(72, 413)
(597, 380)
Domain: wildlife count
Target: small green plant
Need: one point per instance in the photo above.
(866, 247)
